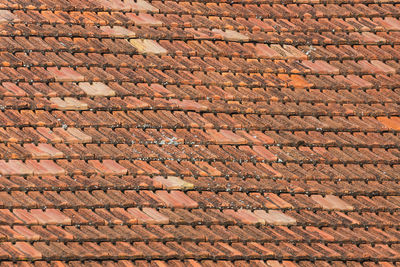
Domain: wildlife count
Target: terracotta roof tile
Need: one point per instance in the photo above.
(117, 31)
(192, 133)
(148, 47)
(331, 202)
(65, 74)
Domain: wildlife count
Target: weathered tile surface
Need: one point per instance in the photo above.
(199, 133)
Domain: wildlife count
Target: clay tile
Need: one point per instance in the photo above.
(28, 250)
(96, 89)
(45, 167)
(43, 151)
(68, 103)
(108, 167)
(26, 232)
(14, 167)
(230, 35)
(184, 198)
(138, 6)
(13, 89)
(392, 123)
(25, 216)
(7, 16)
(49, 135)
(158, 217)
(144, 19)
(65, 74)
(331, 202)
(58, 216)
(78, 134)
(394, 22)
(140, 216)
(173, 182)
(117, 31)
(266, 154)
(148, 47)
(248, 217)
(275, 217)
(175, 200)
(42, 217)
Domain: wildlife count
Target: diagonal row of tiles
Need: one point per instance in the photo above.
(49, 218)
(253, 24)
(207, 262)
(263, 9)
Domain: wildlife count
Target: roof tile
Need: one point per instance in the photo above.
(68, 103)
(7, 16)
(144, 19)
(231, 35)
(117, 31)
(157, 216)
(275, 217)
(173, 182)
(79, 135)
(141, 216)
(65, 74)
(148, 47)
(43, 151)
(28, 250)
(44, 167)
(96, 89)
(14, 167)
(331, 202)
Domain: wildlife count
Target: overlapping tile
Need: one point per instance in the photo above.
(192, 133)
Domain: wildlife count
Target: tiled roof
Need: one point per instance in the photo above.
(199, 133)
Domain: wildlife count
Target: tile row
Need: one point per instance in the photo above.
(61, 31)
(277, 10)
(211, 117)
(125, 50)
(268, 62)
(223, 146)
(364, 182)
(252, 208)
(202, 233)
(196, 263)
(23, 95)
(226, 80)
(263, 23)
(133, 111)
(263, 9)
(169, 138)
(201, 250)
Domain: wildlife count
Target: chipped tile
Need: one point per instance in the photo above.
(173, 182)
(148, 47)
